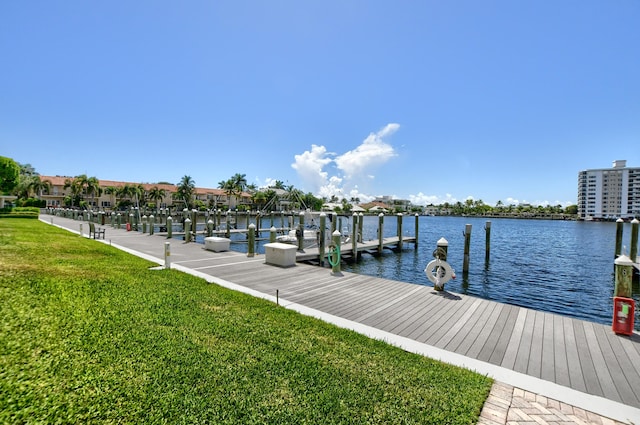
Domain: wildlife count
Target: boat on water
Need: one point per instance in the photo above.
(310, 237)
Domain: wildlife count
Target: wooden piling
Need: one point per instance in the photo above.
(415, 244)
(623, 277)
(321, 240)
(187, 230)
(334, 222)
(251, 250)
(354, 236)
(272, 234)
(442, 247)
(467, 247)
(633, 249)
(399, 215)
(619, 231)
(336, 237)
(380, 232)
(487, 241)
(300, 232)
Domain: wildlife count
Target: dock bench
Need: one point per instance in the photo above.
(94, 232)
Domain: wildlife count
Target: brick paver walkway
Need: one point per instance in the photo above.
(514, 406)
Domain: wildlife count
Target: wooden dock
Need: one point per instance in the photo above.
(584, 356)
(346, 248)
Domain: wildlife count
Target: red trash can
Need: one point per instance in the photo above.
(623, 315)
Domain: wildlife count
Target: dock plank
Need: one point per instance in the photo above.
(482, 337)
(526, 342)
(511, 353)
(458, 325)
(602, 375)
(439, 325)
(468, 330)
(394, 320)
(616, 371)
(534, 367)
(494, 337)
(585, 358)
(576, 378)
(502, 344)
(416, 326)
(548, 365)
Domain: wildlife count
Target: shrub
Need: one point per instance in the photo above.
(19, 212)
(31, 202)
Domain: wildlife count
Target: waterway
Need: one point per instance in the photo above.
(563, 267)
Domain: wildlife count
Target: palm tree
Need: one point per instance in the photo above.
(140, 195)
(39, 186)
(23, 188)
(259, 198)
(85, 186)
(126, 192)
(239, 182)
(27, 170)
(229, 188)
(156, 195)
(185, 192)
(76, 189)
(92, 187)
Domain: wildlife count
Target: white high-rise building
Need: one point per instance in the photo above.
(609, 193)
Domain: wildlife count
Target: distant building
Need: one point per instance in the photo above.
(609, 193)
(107, 201)
(394, 204)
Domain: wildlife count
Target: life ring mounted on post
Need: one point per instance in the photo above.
(439, 272)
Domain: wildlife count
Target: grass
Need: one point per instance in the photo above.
(90, 335)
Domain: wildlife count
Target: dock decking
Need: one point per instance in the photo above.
(346, 248)
(584, 356)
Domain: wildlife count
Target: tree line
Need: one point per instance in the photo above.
(23, 181)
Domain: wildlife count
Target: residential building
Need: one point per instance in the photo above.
(107, 200)
(394, 204)
(609, 193)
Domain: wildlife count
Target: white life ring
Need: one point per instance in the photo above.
(444, 270)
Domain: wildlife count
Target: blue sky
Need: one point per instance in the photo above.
(431, 101)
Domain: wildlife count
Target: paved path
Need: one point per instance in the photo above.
(548, 368)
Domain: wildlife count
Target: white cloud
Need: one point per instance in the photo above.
(422, 199)
(310, 164)
(351, 168)
(371, 153)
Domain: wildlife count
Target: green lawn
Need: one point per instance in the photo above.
(90, 334)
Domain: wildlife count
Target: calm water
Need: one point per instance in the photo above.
(563, 267)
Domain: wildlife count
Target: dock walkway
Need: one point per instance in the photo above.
(346, 248)
(576, 362)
